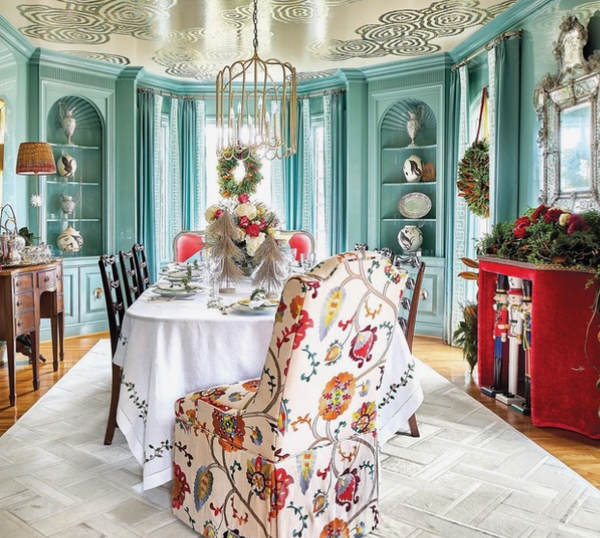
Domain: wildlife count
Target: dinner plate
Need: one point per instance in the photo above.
(243, 308)
(180, 274)
(172, 289)
(414, 205)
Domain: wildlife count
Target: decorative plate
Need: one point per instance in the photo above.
(177, 275)
(242, 308)
(414, 205)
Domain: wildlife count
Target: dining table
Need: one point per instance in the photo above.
(170, 347)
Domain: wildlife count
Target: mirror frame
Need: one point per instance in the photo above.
(577, 82)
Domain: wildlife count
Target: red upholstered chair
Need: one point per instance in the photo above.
(187, 243)
(301, 240)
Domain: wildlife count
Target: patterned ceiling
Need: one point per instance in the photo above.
(195, 38)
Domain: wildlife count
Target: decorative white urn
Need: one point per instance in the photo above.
(68, 122)
(410, 238)
(413, 169)
(69, 240)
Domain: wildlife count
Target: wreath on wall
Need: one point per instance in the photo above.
(474, 169)
(228, 162)
(474, 178)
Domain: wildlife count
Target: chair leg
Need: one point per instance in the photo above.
(414, 428)
(114, 402)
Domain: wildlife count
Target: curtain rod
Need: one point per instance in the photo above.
(502, 37)
(174, 95)
(204, 97)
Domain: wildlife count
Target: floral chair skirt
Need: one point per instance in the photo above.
(326, 492)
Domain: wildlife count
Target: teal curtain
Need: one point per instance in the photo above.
(505, 80)
(335, 164)
(293, 174)
(452, 134)
(187, 119)
(146, 201)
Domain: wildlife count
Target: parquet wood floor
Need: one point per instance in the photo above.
(576, 451)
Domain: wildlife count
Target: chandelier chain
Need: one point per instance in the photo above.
(255, 23)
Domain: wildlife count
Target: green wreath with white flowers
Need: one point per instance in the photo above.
(229, 160)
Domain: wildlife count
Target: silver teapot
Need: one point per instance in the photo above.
(68, 203)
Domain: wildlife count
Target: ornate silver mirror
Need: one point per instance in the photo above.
(567, 108)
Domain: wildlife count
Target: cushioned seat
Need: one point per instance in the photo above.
(296, 451)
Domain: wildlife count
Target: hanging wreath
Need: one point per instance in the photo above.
(474, 178)
(229, 187)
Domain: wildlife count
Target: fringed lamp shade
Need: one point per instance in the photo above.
(35, 158)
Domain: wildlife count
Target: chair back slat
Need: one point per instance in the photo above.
(113, 295)
(130, 276)
(141, 266)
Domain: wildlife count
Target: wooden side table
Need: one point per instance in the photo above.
(27, 294)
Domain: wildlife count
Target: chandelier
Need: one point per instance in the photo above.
(256, 106)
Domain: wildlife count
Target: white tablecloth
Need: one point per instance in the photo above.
(171, 348)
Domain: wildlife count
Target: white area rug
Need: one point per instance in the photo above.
(469, 474)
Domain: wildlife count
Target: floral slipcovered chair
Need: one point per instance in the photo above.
(295, 453)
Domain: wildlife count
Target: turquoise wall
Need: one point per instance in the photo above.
(541, 30)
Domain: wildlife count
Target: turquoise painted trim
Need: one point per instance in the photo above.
(357, 160)
(72, 63)
(180, 87)
(333, 82)
(14, 39)
(507, 20)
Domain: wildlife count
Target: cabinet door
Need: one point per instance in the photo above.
(430, 314)
(92, 304)
(71, 294)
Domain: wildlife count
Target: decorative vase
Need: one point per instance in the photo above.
(69, 240)
(413, 169)
(410, 238)
(66, 165)
(413, 125)
(68, 203)
(68, 122)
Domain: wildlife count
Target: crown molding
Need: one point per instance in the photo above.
(70, 62)
(507, 20)
(131, 74)
(14, 40)
(410, 66)
(176, 86)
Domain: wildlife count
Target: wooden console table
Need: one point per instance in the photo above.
(27, 294)
(565, 352)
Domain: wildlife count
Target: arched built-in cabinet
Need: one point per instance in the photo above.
(390, 147)
(74, 195)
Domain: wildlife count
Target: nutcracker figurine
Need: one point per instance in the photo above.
(525, 407)
(499, 335)
(515, 336)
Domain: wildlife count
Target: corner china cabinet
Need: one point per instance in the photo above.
(408, 158)
(76, 199)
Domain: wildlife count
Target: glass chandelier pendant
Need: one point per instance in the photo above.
(256, 106)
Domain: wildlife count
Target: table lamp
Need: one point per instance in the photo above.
(33, 159)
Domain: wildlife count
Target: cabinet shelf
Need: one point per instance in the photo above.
(74, 220)
(408, 220)
(411, 148)
(407, 184)
(73, 183)
(74, 146)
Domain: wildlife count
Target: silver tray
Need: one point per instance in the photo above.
(414, 205)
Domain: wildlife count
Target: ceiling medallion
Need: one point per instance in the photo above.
(256, 106)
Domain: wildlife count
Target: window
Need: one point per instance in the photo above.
(163, 195)
(319, 224)
(263, 192)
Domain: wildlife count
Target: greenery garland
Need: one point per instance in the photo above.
(229, 160)
(474, 178)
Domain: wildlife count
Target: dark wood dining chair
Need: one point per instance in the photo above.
(115, 309)
(141, 266)
(407, 317)
(130, 276)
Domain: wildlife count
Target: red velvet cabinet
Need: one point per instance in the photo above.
(565, 349)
